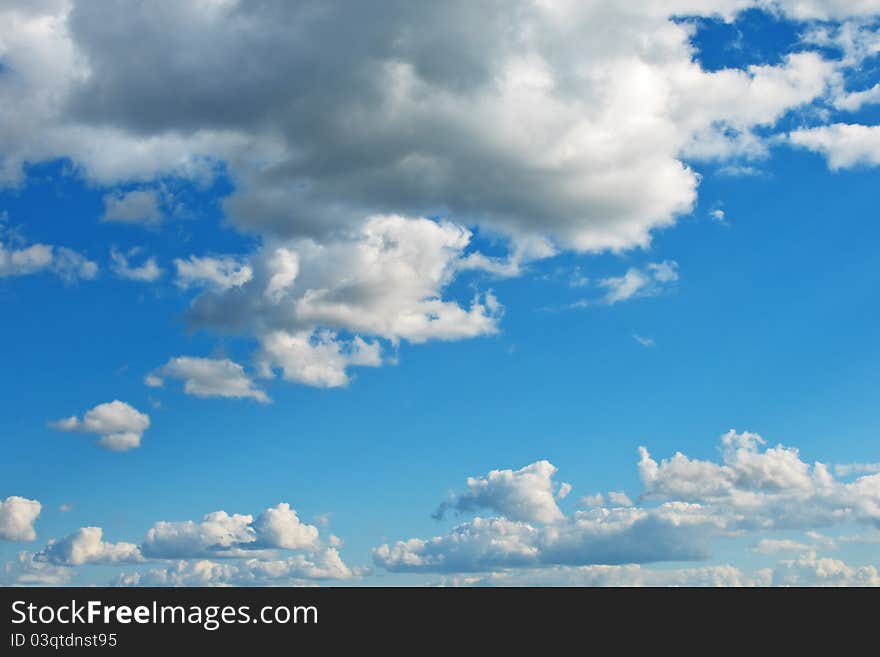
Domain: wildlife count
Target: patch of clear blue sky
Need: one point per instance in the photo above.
(772, 328)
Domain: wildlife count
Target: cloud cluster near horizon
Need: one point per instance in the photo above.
(685, 508)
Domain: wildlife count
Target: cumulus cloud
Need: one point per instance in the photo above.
(522, 128)
(525, 494)
(146, 272)
(86, 545)
(252, 552)
(140, 206)
(309, 303)
(280, 527)
(526, 127)
(208, 377)
(687, 505)
(119, 425)
(17, 517)
(216, 532)
(223, 534)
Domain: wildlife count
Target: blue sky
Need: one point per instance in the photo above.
(366, 301)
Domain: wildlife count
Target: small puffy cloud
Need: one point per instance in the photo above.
(208, 377)
(642, 340)
(119, 425)
(718, 215)
(686, 506)
(65, 508)
(843, 145)
(17, 517)
(140, 206)
(524, 494)
(146, 272)
(86, 546)
(221, 273)
(654, 279)
(280, 527)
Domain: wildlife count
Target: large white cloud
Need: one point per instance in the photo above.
(522, 127)
(17, 517)
(119, 425)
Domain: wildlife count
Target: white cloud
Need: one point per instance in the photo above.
(325, 564)
(280, 527)
(386, 280)
(220, 534)
(208, 377)
(86, 546)
(140, 206)
(223, 273)
(752, 490)
(842, 144)
(146, 272)
(215, 533)
(525, 127)
(642, 340)
(119, 425)
(17, 517)
(654, 279)
(319, 360)
(524, 494)
(810, 570)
